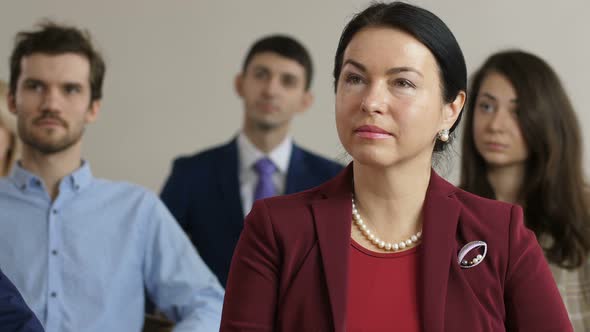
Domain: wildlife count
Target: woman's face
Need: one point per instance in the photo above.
(496, 130)
(389, 105)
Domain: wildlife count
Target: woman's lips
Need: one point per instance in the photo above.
(495, 146)
(372, 132)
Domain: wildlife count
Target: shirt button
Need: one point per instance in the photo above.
(53, 294)
(54, 252)
(54, 211)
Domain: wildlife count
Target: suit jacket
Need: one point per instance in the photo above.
(203, 193)
(289, 271)
(15, 316)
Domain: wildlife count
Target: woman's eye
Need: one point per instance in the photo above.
(486, 107)
(353, 79)
(403, 83)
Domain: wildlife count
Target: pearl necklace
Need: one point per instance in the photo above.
(413, 240)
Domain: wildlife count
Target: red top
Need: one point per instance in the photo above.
(382, 290)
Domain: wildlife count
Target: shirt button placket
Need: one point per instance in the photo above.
(53, 275)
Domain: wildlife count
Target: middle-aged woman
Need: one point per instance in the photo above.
(522, 144)
(388, 245)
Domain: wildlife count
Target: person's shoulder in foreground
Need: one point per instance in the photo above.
(15, 315)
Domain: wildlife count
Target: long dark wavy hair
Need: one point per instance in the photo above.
(554, 193)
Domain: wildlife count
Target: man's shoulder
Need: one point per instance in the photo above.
(317, 163)
(204, 158)
(7, 185)
(126, 191)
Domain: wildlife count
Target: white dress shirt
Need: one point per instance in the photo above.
(248, 155)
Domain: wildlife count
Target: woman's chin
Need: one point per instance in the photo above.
(372, 159)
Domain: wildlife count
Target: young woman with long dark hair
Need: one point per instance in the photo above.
(522, 145)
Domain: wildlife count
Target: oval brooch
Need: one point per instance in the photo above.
(476, 259)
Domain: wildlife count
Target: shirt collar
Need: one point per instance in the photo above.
(77, 180)
(250, 154)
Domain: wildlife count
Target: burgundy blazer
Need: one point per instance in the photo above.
(289, 270)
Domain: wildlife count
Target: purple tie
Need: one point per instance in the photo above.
(265, 187)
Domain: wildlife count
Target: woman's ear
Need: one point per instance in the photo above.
(452, 110)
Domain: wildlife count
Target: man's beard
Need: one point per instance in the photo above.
(266, 126)
(46, 145)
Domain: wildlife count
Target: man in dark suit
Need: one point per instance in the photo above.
(210, 193)
(15, 315)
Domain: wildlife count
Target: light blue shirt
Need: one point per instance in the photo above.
(82, 261)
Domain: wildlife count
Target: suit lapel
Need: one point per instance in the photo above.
(440, 217)
(227, 175)
(332, 217)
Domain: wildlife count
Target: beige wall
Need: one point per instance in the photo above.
(171, 65)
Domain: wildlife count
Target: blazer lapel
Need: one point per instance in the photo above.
(333, 217)
(440, 217)
(227, 175)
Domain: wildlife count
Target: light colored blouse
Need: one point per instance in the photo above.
(574, 286)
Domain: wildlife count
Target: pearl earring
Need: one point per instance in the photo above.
(443, 135)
